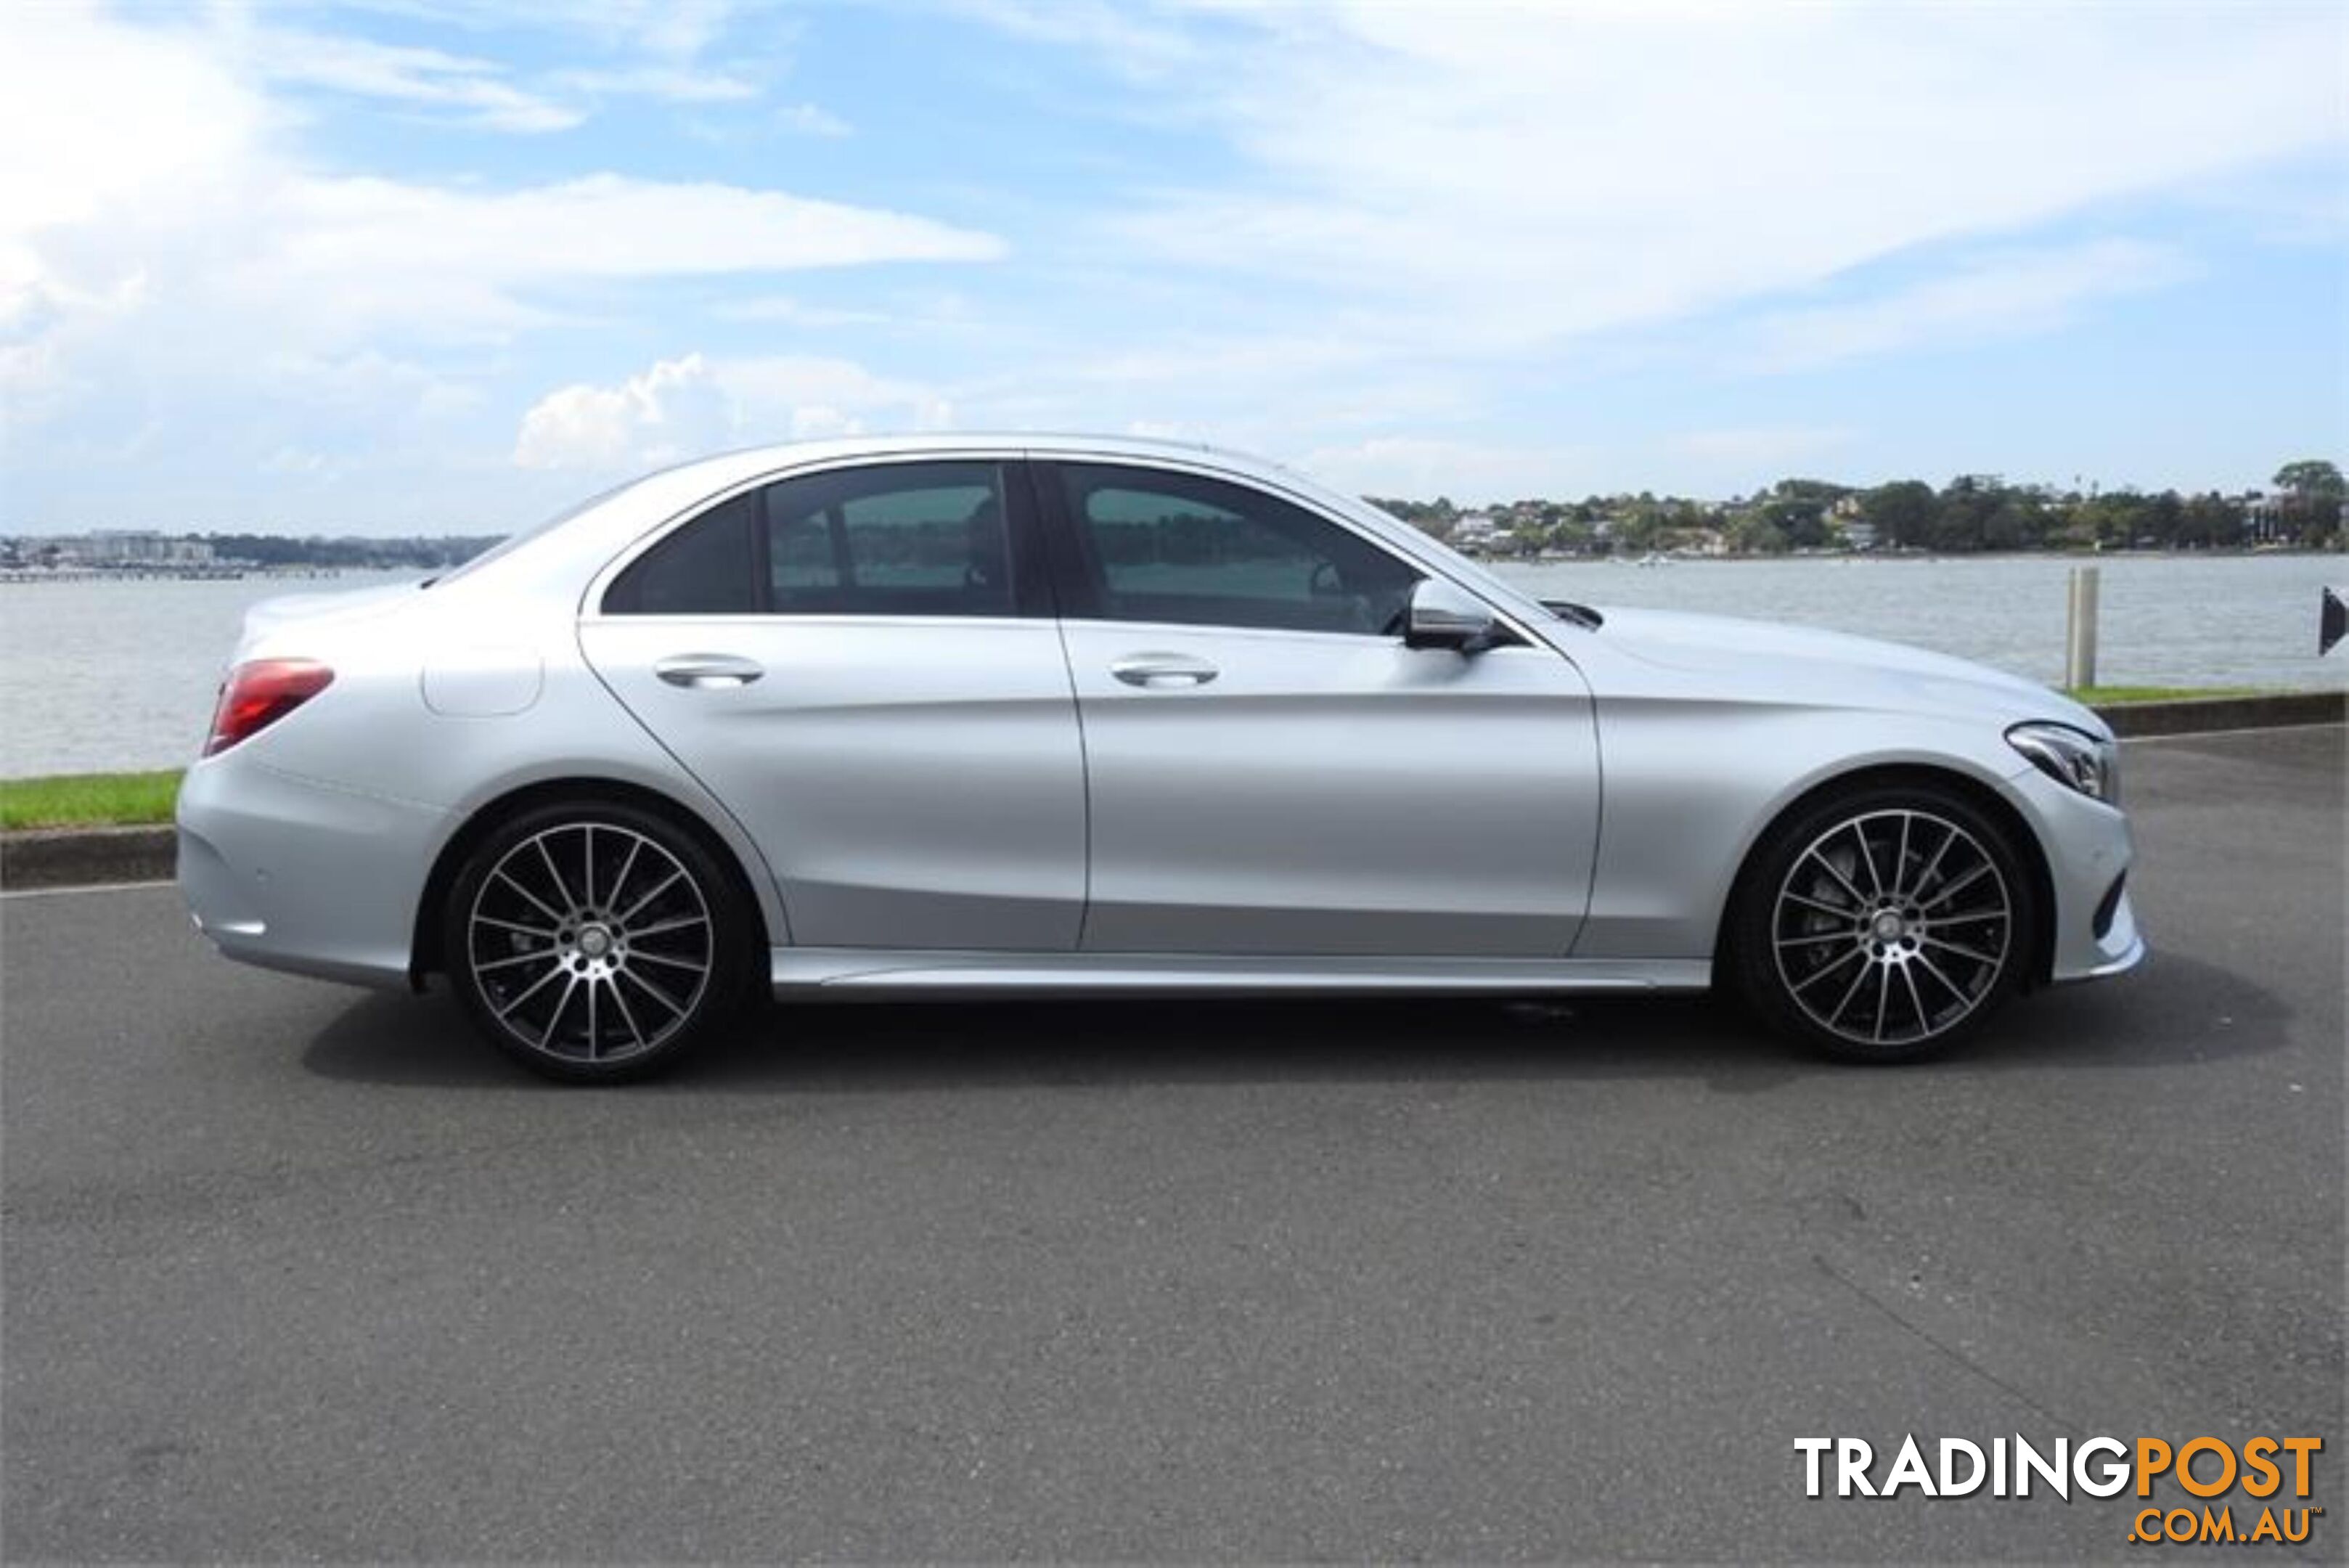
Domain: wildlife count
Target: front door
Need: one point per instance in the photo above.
(860, 663)
(1272, 770)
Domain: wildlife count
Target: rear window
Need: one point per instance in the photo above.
(704, 568)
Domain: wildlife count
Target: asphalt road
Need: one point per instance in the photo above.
(291, 1271)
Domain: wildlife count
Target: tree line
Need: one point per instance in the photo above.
(1970, 514)
(350, 553)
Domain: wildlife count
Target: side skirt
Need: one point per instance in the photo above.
(880, 971)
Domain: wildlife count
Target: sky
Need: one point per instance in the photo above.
(445, 265)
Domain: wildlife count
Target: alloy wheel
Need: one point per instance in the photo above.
(1892, 927)
(590, 943)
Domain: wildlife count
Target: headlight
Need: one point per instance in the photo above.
(2072, 758)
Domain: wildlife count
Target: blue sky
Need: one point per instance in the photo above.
(442, 266)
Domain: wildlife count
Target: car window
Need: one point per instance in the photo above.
(1195, 551)
(703, 568)
(925, 538)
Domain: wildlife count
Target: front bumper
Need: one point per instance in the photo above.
(2089, 850)
(291, 874)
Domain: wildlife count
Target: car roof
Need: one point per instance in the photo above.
(727, 467)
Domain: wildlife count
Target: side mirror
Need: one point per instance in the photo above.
(1445, 615)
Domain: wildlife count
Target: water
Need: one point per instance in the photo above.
(105, 675)
(97, 676)
(2163, 621)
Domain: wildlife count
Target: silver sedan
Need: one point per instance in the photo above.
(987, 716)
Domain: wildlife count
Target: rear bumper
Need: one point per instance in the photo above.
(294, 874)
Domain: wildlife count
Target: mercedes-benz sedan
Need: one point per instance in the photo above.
(982, 716)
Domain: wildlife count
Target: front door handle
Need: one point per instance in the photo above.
(1163, 671)
(707, 671)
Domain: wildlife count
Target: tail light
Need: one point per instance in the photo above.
(258, 693)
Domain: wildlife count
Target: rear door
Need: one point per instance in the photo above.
(863, 665)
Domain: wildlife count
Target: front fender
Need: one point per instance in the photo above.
(1692, 783)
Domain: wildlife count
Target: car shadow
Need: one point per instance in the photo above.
(2178, 1009)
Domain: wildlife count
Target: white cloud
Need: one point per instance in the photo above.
(674, 31)
(183, 176)
(176, 266)
(668, 84)
(1498, 179)
(640, 422)
(177, 240)
(692, 405)
(654, 59)
(811, 120)
(786, 311)
(453, 261)
(171, 117)
(475, 90)
(2006, 295)
(1137, 42)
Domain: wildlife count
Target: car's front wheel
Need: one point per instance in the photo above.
(1883, 923)
(594, 942)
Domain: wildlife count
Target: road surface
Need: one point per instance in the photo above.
(295, 1272)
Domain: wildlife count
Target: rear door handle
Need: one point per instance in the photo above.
(707, 671)
(1163, 671)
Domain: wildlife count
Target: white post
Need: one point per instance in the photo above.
(2080, 635)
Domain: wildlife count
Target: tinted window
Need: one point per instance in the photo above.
(703, 568)
(1173, 547)
(925, 538)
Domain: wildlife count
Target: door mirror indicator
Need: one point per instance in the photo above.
(1445, 615)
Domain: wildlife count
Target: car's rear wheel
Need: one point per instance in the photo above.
(1884, 924)
(594, 942)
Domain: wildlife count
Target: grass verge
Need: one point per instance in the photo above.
(2093, 695)
(88, 800)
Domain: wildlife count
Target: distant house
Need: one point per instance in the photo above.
(2264, 514)
(1478, 532)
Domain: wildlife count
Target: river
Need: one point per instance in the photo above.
(102, 675)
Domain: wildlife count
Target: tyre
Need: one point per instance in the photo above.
(1883, 924)
(595, 942)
